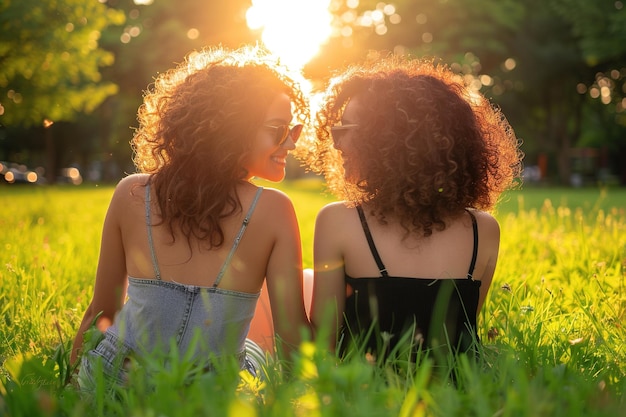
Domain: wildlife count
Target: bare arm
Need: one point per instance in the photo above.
(111, 277)
(489, 238)
(329, 291)
(284, 276)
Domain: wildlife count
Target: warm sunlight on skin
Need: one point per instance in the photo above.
(292, 29)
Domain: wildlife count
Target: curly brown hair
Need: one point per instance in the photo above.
(196, 128)
(427, 146)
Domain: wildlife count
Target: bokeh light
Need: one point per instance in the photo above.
(31, 176)
(72, 175)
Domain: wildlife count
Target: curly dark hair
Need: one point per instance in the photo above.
(196, 128)
(427, 146)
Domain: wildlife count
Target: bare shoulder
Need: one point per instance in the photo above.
(275, 209)
(129, 190)
(275, 200)
(131, 183)
(486, 220)
(338, 209)
(273, 194)
(335, 216)
(488, 227)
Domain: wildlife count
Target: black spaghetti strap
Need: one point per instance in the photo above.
(381, 267)
(470, 272)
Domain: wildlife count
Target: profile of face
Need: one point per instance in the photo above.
(344, 138)
(275, 138)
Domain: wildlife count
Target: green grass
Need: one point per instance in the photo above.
(587, 198)
(552, 327)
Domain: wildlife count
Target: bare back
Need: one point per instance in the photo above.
(341, 250)
(445, 254)
(191, 262)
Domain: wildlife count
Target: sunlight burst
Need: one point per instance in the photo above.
(292, 29)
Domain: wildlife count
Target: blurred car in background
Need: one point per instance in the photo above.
(70, 175)
(13, 173)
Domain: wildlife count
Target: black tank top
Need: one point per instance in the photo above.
(387, 315)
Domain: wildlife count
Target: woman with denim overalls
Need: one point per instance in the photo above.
(189, 241)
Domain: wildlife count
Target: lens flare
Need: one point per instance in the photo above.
(292, 29)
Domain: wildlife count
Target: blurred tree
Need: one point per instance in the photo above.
(543, 62)
(88, 62)
(155, 37)
(600, 30)
(556, 68)
(50, 61)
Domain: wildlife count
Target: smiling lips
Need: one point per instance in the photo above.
(281, 160)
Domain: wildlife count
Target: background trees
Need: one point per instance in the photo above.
(50, 64)
(557, 68)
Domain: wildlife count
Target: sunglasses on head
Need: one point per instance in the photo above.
(284, 131)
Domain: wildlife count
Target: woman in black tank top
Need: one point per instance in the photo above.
(404, 262)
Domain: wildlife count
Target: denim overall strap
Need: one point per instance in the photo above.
(246, 220)
(157, 272)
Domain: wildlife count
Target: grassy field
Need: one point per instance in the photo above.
(552, 327)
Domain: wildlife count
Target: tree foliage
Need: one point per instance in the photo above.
(154, 38)
(557, 68)
(50, 59)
